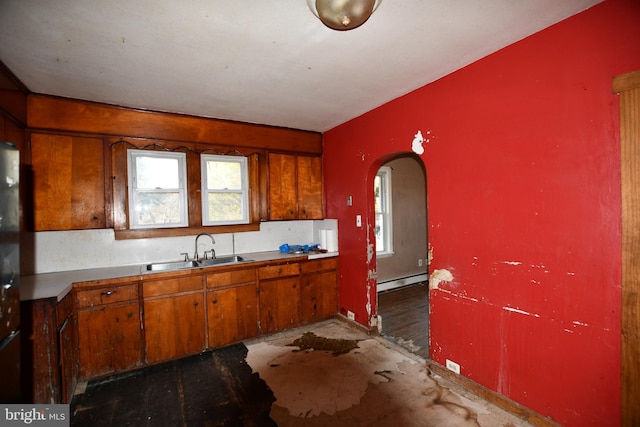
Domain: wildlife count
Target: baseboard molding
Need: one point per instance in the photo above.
(356, 325)
(404, 281)
(491, 396)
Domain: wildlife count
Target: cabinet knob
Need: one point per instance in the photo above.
(195, 304)
(215, 300)
(108, 293)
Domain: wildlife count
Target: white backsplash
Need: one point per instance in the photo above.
(51, 251)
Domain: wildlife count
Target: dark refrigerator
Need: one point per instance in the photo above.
(9, 274)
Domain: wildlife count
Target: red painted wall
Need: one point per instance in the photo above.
(523, 183)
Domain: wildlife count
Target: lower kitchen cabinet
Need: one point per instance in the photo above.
(232, 306)
(48, 350)
(174, 323)
(319, 290)
(67, 345)
(279, 292)
(279, 304)
(174, 327)
(232, 314)
(109, 332)
(121, 326)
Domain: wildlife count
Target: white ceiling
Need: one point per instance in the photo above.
(268, 62)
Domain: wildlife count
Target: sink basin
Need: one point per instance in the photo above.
(180, 265)
(164, 266)
(221, 260)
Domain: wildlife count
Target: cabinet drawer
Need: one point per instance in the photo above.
(323, 264)
(234, 277)
(107, 295)
(281, 270)
(171, 286)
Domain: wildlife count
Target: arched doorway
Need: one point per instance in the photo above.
(402, 252)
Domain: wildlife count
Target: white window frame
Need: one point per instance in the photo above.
(387, 211)
(134, 191)
(244, 190)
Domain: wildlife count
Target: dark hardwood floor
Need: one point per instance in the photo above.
(216, 389)
(405, 317)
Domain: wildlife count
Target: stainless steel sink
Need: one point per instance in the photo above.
(181, 265)
(164, 266)
(221, 260)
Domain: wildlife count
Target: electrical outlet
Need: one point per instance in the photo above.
(453, 366)
(420, 262)
(350, 315)
(358, 220)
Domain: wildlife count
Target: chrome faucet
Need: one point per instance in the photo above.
(213, 242)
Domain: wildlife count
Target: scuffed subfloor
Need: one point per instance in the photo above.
(373, 383)
(326, 374)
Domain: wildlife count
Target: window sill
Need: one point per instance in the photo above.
(384, 254)
(183, 231)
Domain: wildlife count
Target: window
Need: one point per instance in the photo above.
(382, 196)
(225, 193)
(157, 189)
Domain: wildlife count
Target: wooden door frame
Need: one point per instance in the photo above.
(628, 87)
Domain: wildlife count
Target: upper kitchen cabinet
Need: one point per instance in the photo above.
(68, 176)
(295, 187)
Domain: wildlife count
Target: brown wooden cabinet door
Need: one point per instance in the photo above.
(68, 363)
(310, 195)
(279, 304)
(109, 339)
(174, 326)
(319, 296)
(283, 197)
(232, 314)
(68, 182)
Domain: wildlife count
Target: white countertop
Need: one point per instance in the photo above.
(59, 284)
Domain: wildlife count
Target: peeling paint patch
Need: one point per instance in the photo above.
(517, 310)
(512, 262)
(370, 251)
(535, 282)
(571, 273)
(540, 266)
(416, 144)
(568, 330)
(462, 296)
(439, 276)
(575, 322)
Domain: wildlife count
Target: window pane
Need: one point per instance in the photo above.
(377, 193)
(224, 175)
(379, 231)
(153, 172)
(158, 208)
(225, 206)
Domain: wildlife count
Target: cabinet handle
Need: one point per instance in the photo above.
(195, 304)
(215, 300)
(108, 293)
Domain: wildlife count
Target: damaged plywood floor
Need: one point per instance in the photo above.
(361, 381)
(327, 374)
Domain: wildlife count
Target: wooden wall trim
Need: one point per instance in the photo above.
(54, 113)
(628, 86)
(491, 396)
(13, 96)
(627, 81)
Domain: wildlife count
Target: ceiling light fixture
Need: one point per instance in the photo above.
(343, 15)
